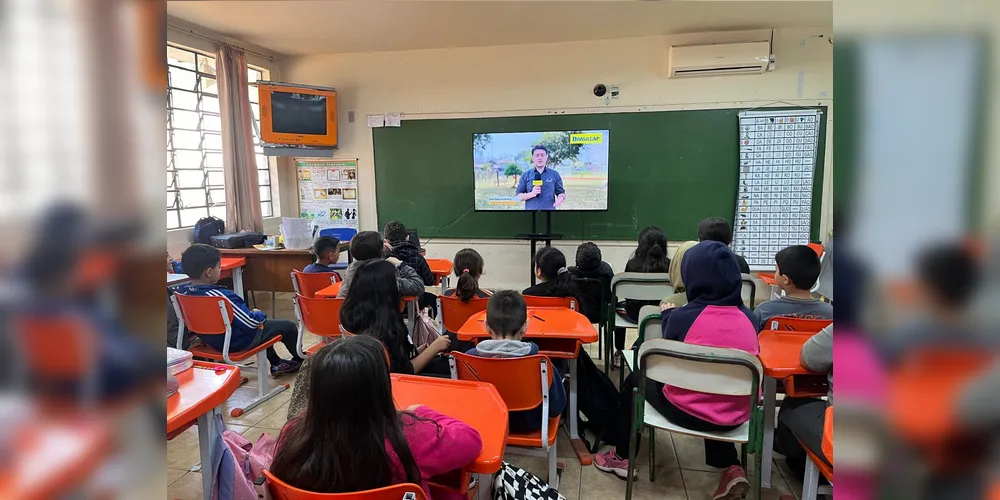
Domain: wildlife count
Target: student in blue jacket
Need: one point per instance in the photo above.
(507, 320)
(251, 327)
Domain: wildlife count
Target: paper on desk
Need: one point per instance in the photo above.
(393, 119)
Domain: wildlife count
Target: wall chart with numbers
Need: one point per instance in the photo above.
(777, 163)
(328, 191)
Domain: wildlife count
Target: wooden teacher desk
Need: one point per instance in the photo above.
(270, 270)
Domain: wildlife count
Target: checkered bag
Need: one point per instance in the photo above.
(513, 483)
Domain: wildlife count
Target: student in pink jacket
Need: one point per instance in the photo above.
(352, 438)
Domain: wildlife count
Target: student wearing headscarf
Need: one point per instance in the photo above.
(679, 298)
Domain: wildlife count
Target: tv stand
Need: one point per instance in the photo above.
(534, 237)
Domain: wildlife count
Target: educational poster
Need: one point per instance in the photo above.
(777, 163)
(328, 192)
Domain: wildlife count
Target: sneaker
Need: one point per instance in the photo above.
(616, 360)
(609, 461)
(287, 366)
(733, 485)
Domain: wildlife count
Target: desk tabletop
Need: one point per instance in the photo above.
(233, 262)
(201, 389)
(543, 322)
(767, 278)
(475, 403)
(331, 291)
(780, 352)
(50, 457)
(440, 267)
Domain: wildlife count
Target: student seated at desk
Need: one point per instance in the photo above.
(372, 308)
(796, 271)
(718, 229)
(352, 438)
(650, 256)
(368, 245)
(714, 316)
(468, 268)
(506, 321)
(589, 264)
(251, 327)
(327, 251)
(679, 298)
(802, 418)
(399, 246)
(556, 281)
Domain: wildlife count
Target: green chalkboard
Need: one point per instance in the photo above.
(670, 169)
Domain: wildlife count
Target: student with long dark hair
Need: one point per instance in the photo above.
(556, 280)
(372, 308)
(352, 438)
(468, 266)
(650, 256)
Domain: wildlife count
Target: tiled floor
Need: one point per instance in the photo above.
(680, 469)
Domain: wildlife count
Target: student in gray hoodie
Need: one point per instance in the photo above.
(368, 245)
(507, 320)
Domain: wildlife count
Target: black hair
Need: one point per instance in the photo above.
(715, 229)
(324, 244)
(395, 231)
(588, 256)
(198, 258)
(651, 254)
(950, 271)
(552, 263)
(468, 266)
(506, 313)
(372, 308)
(366, 245)
(339, 444)
(537, 147)
(800, 263)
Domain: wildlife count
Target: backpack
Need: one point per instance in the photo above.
(239, 463)
(597, 399)
(425, 330)
(206, 227)
(514, 483)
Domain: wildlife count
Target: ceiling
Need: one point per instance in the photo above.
(298, 27)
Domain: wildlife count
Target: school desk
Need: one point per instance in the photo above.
(230, 266)
(768, 278)
(203, 388)
(560, 332)
(475, 403)
(49, 458)
(441, 268)
(269, 270)
(411, 303)
(779, 356)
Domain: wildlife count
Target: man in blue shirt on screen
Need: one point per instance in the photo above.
(540, 188)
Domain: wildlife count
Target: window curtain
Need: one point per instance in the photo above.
(238, 162)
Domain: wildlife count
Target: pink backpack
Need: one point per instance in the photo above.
(239, 464)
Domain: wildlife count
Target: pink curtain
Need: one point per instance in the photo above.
(238, 162)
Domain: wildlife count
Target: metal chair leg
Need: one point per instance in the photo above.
(652, 454)
(810, 483)
(553, 478)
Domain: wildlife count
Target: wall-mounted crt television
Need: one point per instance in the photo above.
(297, 114)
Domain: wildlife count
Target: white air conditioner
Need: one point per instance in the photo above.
(719, 59)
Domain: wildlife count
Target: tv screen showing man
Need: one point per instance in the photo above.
(541, 170)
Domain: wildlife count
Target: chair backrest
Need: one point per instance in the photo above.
(319, 316)
(516, 379)
(641, 286)
(454, 313)
(650, 324)
(786, 324)
(711, 370)
(307, 284)
(748, 290)
(59, 346)
(593, 287)
(536, 301)
(204, 314)
(281, 490)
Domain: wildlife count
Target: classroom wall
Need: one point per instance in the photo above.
(540, 79)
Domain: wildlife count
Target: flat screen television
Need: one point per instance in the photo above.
(297, 114)
(529, 171)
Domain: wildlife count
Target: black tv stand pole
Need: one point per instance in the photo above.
(534, 237)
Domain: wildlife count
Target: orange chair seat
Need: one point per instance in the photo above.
(534, 439)
(821, 464)
(204, 351)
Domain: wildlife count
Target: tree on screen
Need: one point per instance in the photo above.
(480, 141)
(513, 170)
(560, 150)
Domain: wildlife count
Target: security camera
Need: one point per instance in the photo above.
(600, 90)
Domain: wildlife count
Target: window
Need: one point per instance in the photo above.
(195, 181)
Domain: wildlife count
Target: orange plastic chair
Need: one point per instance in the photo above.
(536, 301)
(523, 383)
(210, 315)
(307, 284)
(818, 248)
(817, 465)
(59, 349)
(281, 490)
(453, 313)
(799, 325)
(318, 316)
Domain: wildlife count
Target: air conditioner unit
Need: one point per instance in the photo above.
(719, 59)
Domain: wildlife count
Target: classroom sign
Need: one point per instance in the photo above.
(328, 192)
(777, 165)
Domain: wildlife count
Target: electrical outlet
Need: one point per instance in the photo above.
(350, 117)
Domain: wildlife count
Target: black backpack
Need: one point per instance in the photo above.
(597, 400)
(206, 227)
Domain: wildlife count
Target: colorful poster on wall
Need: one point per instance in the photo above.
(328, 192)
